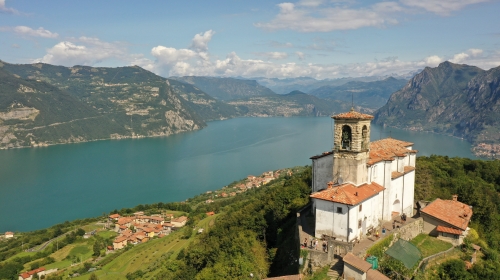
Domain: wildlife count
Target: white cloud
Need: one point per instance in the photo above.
(329, 18)
(167, 55)
(84, 51)
(273, 55)
(433, 60)
(6, 10)
(200, 41)
(28, 31)
(441, 7)
(300, 55)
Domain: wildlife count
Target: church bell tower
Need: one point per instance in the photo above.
(351, 147)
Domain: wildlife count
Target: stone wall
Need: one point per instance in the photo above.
(410, 230)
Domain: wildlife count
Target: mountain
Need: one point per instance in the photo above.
(295, 103)
(226, 89)
(371, 95)
(455, 99)
(306, 84)
(42, 104)
(207, 107)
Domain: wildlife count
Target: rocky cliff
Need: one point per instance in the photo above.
(454, 99)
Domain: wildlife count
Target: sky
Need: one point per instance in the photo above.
(322, 39)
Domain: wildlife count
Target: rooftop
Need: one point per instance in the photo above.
(452, 212)
(388, 149)
(348, 193)
(358, 263)
(352, 115)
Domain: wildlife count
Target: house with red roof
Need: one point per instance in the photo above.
(41, 271)
(9, 234)
(360, 183)
(447, 219)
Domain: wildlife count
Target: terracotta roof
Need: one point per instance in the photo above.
(396, 174)
(114, 216)
(376, 275)
(210, 213)
(348, 193)
(452, 212)
(448, 230)
(9, 233)
(388, 149)
(120, 239)
(358, 263)
(124, 220)
(352, 115)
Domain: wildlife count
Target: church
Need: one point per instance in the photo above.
(360, 183)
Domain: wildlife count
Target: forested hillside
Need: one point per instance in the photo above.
(477, 183)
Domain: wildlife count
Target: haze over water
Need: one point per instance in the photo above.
(40, 187)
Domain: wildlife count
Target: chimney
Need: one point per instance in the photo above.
(330, 184)
(356, 194)
(455, 197)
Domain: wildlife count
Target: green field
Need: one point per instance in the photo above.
(429, 245)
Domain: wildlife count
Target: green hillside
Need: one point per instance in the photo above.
(62, 105)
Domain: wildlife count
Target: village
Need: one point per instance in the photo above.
(140, 227)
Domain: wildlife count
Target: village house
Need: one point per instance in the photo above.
(209, 201)
(9, 234)
(119, 242)
(356, 268)
(40, 272)
(210, 213)
(123, 222)
(114, 217)
(179, 222)
(361, 183)
(169, 216)
(448, 220)
(232, 194)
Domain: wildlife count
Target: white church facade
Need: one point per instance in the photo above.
(361, 183)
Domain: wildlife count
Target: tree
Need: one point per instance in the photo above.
(187, 232)
(93, 276)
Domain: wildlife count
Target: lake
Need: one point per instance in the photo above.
(40, 187)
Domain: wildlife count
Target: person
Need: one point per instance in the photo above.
(376, 234)
(312, 243)
(316, 244)
(305, 242)
(324, 246)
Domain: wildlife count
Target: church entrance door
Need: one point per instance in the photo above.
(396, 206)
(363, 227)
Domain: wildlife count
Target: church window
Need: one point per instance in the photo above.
(359, 223)
(339, 210)
(346, 137)
(360, 207)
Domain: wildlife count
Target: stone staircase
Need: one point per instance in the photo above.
(336, 269)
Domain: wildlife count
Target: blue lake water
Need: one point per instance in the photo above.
(40, 187)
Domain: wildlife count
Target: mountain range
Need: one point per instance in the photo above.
(454, 99)
(43, 104)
